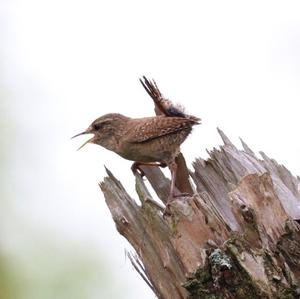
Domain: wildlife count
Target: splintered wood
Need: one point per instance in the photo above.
(236, 237)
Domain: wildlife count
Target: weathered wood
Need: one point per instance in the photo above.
(236, 237)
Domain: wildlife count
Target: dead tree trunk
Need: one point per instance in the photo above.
(237, 237)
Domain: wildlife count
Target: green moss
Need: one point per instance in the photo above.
(200, 283)
(273, 270)
(221, 275)
(289, 293)
(219, 259)
(174, 222)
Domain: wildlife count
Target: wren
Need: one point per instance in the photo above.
(153, 141)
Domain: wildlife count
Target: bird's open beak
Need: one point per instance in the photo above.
(88, 141)
(82, 133)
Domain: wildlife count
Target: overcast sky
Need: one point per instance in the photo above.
(235, 64)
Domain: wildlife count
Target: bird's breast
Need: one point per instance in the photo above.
(156, 150)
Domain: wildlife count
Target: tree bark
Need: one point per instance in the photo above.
(236, 237)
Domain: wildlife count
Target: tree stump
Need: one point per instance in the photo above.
(236, 237)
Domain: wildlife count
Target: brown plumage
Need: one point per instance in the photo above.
(151, 141)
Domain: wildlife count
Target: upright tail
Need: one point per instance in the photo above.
(163, 105)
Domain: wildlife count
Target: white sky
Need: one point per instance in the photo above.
(235, 64)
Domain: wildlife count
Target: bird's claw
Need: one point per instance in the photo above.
(137, 170)
(167, 211)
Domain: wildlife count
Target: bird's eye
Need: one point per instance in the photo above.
(97, 126)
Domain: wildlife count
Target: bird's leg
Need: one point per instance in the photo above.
(136, 166)
(173, 169)
(172, 195)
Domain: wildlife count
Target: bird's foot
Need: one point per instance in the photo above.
(167, 210)
(136, 169)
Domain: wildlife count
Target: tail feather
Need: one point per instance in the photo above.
(152, 89)
(162, 105)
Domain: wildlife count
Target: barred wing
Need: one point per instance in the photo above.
(153, 127)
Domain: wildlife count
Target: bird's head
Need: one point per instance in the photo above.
(104, 130)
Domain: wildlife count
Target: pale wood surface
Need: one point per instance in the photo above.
(236, 237)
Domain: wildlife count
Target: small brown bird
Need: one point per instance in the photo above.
(149, 141)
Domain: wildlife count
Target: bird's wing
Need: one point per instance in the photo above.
(154, 127)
